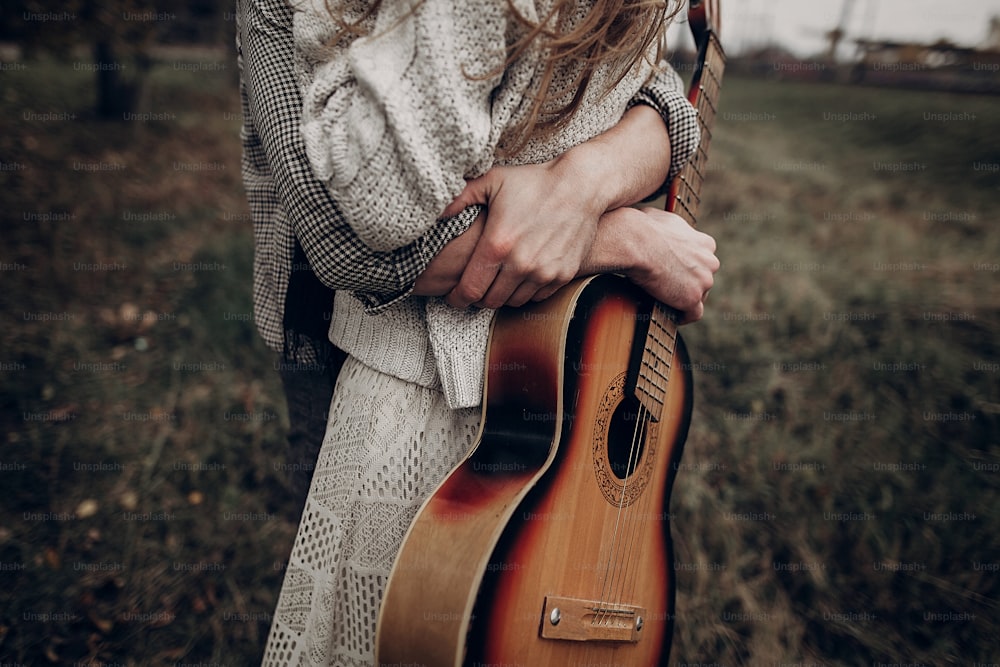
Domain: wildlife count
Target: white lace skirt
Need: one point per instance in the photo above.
(388, 444)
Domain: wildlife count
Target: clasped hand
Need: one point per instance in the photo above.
(534, 239)
(537, 233)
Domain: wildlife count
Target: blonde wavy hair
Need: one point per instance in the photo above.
(618, 33)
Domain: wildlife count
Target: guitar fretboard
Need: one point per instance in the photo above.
(685, 195)
(704, 95)
(657, 357)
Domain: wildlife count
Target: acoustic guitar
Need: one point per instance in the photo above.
(550, 543)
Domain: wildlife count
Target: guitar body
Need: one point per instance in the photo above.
(549, 544)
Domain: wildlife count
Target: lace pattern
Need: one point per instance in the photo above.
(387, 446)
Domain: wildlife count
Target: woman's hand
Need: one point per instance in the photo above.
(445, 270)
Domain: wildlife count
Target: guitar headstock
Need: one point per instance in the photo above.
(704, 17)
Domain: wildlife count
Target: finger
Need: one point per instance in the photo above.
(506, 283)
(525, 292)
(477, 191)
(546, 292)
(693, 315)
(478, 276)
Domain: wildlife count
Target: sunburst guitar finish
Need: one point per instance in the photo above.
(550, 544)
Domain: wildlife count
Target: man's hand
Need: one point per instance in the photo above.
(661, 253)
(540, 224)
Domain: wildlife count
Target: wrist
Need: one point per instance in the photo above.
(585, 169)
(626, 164)
(617, 246)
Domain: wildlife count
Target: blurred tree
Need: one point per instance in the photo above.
(117, 35)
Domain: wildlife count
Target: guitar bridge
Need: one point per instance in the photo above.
(569, 619)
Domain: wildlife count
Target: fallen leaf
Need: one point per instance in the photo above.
(87, 508)
(105, 625)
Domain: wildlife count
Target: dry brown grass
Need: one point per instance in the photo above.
(799, 537)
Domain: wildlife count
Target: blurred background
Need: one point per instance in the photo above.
(837, 503)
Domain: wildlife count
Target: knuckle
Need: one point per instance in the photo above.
(543, 275)
(564, 276)
(468, 293)
(499, 248)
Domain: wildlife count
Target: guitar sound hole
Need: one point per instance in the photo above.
(626, 441)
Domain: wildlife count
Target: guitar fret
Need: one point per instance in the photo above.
(685, 211)
(654, 392)
(705, 103)
(657, 358)
(655, 370)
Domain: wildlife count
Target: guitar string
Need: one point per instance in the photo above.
(627, 589)
(621, 522)
(610, 570)
(624, 577)
(632, 520)
(641, 515)
(616, 581)
(663, 355)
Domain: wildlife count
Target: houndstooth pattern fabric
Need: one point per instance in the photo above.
(388, 447)
(287, 201)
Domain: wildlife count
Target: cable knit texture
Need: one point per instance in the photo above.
(395, 121)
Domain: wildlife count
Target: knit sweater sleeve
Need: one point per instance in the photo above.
(396, 120)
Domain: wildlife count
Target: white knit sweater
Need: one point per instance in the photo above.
(395, 122)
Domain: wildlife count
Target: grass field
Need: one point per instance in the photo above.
(838, 500)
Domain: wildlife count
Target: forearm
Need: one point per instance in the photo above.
(624, 165)
(656, 250)
(543, 217)
(394, 121)
(656, 137)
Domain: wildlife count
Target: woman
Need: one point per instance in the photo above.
(415, 114)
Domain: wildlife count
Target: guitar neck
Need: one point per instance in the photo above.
(655, 359)
(659, 341)
(685, 191)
